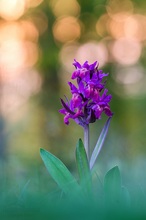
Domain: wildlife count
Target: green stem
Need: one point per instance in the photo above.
(86, 140)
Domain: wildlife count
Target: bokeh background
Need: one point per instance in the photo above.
(38, 41)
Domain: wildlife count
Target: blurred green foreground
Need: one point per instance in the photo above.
(38, 41)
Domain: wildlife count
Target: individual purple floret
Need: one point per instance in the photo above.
(89, 98)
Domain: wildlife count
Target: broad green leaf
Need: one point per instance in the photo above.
(59, 172)
(83, 166)
(112, 186)
(99, 143)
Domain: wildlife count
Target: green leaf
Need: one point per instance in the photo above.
(99, 143)
(83, 166)
(112, 186)
(59, 172)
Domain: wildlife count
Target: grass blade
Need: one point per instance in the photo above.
(99, 143)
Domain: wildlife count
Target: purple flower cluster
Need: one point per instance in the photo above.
(89, 97)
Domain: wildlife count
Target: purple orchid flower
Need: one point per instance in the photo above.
(89, 98)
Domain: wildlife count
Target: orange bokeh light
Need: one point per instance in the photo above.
(17, 49)
(66, 29)
(92, 51)
(63, 7)
(135, 27)
(126, 51)
(116, 25)
(18, 54)
(128, 25)
(12, 9)
(29, 30)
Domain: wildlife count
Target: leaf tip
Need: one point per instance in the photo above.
(41, 151)
(80, 140)
(116, 168)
